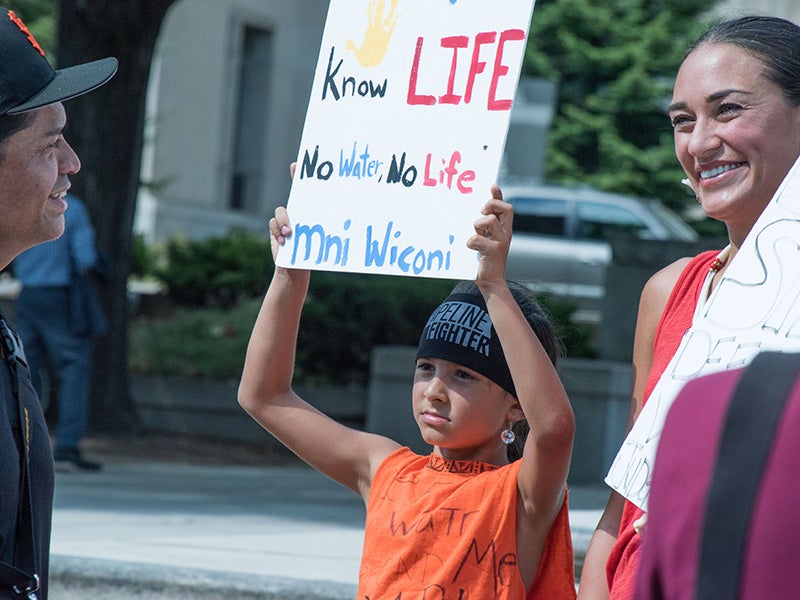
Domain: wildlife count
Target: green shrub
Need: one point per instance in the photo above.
(217, 272)
(347, 314)
(143, 258)
(201, 342)
(215, 288)
(577, 339)
(344, 317)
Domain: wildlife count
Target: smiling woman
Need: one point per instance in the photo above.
(729, 116)
(736, 118)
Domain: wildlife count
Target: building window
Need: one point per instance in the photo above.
(250, 120)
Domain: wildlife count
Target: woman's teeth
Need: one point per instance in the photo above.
(718, 170)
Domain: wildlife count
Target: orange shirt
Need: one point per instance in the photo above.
(441, 529)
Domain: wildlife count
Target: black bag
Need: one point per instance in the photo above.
(86, 313)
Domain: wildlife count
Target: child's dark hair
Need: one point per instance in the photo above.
(540, 324)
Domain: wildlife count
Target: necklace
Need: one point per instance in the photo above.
(719, 261)
(716, 265)
(705, 291)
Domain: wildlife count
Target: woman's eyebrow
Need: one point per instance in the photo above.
(715, 97)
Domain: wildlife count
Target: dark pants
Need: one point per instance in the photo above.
(43, 323)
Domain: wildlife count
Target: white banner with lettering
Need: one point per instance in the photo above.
(404, 134)
(755, 307)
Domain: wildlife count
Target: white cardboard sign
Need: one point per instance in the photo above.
(404, 134)
(755, 307)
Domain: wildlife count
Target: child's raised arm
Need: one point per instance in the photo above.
(347, 455)
(548, 448)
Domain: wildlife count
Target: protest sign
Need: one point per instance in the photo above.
(755, 307)
(404, 134)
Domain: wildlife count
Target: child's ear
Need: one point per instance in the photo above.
(515, 412)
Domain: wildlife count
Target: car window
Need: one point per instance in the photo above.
(543, 216)
(598, 221)
(677, 228)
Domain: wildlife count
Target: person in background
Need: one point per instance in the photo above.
(735, 113)
(58, 316)
(752, 487)
(477, 521)
(35, 164)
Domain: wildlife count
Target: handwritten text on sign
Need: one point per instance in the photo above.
(404, 134)
(755, 307)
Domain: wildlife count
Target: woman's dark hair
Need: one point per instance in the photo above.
(11, 124)
(772, 40)
(543, 328)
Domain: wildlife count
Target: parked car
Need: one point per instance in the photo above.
(562, 236)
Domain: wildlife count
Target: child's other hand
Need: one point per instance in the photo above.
(279, 230)
(493, 237)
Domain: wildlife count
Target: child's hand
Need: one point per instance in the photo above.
(279, 230)
(493, 237)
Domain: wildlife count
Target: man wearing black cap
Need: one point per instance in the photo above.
(35, 164)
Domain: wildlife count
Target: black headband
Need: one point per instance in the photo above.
(460, 331)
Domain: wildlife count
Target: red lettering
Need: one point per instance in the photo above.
(465, 177)
(413, 98)
(477, 65)
(451, 169)
(509, 35)
(455, 42)
(426, 177)
(448, 173)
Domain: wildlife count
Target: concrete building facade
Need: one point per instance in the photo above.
(226, 104)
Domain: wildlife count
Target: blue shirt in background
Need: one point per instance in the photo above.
(50, 263)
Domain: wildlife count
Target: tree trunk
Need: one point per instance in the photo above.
(106, 130)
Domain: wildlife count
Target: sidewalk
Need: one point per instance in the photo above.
(153, 530)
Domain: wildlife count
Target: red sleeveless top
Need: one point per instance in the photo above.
(675, 321)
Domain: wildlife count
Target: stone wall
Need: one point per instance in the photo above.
(599, 392)
(633, 262)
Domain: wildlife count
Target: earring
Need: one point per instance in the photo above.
(507, 435)
(685, 181)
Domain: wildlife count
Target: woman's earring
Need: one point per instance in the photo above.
(507, 435)
(685, 181)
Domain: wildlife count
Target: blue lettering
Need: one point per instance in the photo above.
(346, 166)
(373, 253)
(324, 243)
(358, 166)
(406, 258)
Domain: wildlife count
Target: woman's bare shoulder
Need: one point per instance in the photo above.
(662, 281)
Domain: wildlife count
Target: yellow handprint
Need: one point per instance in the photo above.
(378, 35)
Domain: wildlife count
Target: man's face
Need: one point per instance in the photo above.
(34, 169)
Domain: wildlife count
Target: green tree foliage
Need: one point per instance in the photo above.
(614, 63)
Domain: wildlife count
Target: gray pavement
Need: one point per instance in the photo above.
(153, 531)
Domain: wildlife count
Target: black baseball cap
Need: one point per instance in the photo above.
(27, 80)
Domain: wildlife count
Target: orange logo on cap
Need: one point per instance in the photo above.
(24, 29)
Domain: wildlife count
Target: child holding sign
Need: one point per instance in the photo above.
(464, 522)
